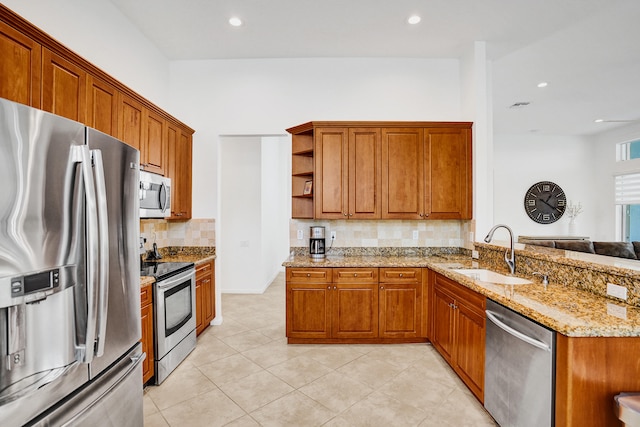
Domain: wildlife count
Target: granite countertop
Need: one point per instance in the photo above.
(567, 310)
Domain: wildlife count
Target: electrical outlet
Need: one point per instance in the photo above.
(333, 235)
(300, 235)
(617, 291)
(471, 236)
(475, 254)
(415, 234)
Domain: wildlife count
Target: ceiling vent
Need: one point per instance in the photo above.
(520, 104)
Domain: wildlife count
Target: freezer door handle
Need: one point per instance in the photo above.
(493, 317)
(103, 251)
(81, 154)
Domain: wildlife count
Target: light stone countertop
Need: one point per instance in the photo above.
(567, 310)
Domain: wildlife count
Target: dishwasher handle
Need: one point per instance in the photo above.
(493, 317)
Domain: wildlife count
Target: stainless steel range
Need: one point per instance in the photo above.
(174, 314)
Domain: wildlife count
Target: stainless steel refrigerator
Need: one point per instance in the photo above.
(69, 274)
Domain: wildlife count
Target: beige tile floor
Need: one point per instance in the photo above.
(243, 373)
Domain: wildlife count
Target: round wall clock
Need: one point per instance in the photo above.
(545, 202)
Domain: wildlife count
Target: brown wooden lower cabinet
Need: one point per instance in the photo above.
(205, 295)
(146, 306)
(340, 305)
(458, 331)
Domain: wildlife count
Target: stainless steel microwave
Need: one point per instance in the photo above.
(155, 195)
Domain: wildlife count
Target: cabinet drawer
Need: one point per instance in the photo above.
(203, 270)
(355, 275)
(463, 295)
(146, 295)
(401, 275)
(309, 275)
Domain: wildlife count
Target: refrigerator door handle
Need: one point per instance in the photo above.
(81, 154)
(103, 243)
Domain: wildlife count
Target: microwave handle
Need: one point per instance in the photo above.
(164, 197)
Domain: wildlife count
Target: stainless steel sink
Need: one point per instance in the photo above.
(484, 275)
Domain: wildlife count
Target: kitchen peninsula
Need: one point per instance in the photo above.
(595, 334)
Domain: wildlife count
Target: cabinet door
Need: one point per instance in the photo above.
(401, 310)
(354, 310)
(64, 87)
(331, 173)
(130, 127)
(403, 162)
(449, 179)
(155, 145)
(210, 296)
(443, 323)
(179, 170)
(102, 106)
(308, 310)
(365, 163)
(469, 359)
(199, 307)
(147, 331)
(20, 67)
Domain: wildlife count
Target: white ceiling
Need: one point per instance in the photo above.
(588, 50)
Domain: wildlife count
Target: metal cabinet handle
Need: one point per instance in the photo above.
(308, 274)
(382, 287)
(334, 288)
(355, 274)
(400, 274)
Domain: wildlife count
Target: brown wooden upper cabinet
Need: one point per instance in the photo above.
(64, 87)
(347, 164)
(20, 67)
(382, 170)
(179, 146)
(102, 106)
(145, 130)
(426, 173)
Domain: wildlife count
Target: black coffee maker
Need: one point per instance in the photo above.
(316, 242)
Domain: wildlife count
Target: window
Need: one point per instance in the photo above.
(628, 150)
(628, 206)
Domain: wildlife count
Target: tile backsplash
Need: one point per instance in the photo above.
(387, 233)
(195, 232)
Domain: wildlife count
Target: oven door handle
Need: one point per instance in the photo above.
(175, 280)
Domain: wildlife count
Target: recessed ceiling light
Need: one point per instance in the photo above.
(414, 19)
(598, 120)
(235, 21)
(542, 84)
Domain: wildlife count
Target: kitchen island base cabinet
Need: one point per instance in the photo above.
(590, 371)
(351, 305)
(458, 331)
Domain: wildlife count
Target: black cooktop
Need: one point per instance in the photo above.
(163, 270)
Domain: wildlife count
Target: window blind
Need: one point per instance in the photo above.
(628, 189)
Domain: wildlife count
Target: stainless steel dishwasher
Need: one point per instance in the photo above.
(519, 369)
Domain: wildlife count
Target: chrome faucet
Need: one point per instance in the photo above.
(509, 255)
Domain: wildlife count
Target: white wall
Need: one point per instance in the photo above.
(97, 31)
(276, 205)
(238, 247)
(608, 168)
(522, 160)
